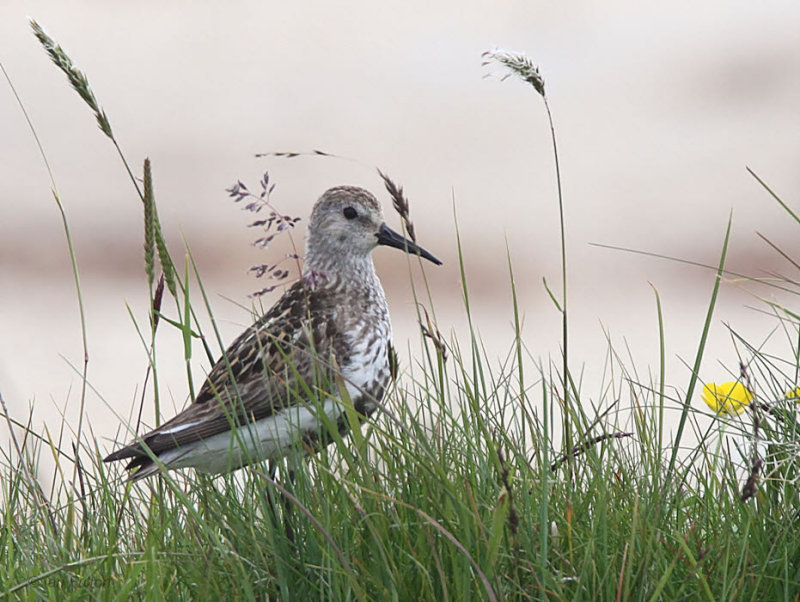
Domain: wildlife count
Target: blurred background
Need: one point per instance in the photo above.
(658, 111)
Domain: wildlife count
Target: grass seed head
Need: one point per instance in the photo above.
(518, 64)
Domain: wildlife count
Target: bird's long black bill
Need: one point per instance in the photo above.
(390, 238)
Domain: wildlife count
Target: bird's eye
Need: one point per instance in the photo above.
(350, 213)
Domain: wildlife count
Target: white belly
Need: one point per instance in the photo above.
(367, 372)
(269, 438)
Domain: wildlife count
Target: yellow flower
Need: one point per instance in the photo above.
(793, 394)
(727, 398)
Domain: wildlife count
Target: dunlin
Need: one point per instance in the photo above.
(329, 330)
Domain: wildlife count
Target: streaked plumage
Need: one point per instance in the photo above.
(332, 326)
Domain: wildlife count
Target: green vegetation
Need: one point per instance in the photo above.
(465, 487)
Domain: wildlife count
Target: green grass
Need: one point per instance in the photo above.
(450, 496)
(463, 488)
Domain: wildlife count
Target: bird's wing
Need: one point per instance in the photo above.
(276, 363)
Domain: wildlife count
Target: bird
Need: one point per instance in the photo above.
(329, 331)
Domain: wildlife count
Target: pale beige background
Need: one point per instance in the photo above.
(658, 110)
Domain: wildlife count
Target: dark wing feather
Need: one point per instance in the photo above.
(269, 367)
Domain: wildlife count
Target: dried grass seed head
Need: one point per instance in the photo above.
(400, 204)
(76, 77)
(518, 64)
